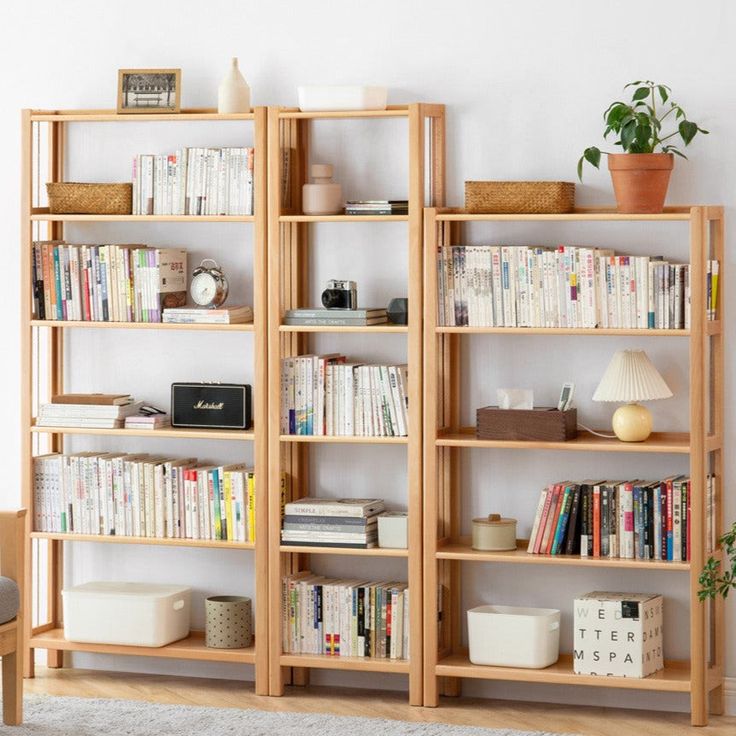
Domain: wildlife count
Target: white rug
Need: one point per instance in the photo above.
(57, 716)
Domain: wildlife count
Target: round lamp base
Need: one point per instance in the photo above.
(632, 423)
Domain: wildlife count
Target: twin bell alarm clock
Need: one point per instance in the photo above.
(209, 286)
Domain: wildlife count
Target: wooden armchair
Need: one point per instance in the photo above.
(12, 552)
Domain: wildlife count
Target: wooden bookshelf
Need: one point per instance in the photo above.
(290, 238)
(445, 440)
(43, 347)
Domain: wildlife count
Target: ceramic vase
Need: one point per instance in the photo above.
(322, 196)
(233, 94)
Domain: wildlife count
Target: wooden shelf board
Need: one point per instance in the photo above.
(72, 324)
(101, 116)
(193, 647)
(48, 217)
(323, 661)
(372, 552)
(462, 550)
(168, 432)
(392, 111)
(344, 218)
(590, 214)
(387, 328)
(658, 442)
(348, 440)
(561, 331)
(154, 541)
(675, 677)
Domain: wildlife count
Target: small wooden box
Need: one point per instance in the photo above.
(545, 424)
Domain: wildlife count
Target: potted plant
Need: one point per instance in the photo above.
(715, 581)
(641, 174)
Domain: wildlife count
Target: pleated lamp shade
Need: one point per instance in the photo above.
(631, 376)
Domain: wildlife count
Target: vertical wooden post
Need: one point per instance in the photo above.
(698, 455)
(260, 348)
(718, 606)
(26, 376)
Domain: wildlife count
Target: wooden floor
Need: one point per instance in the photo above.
(589, 721)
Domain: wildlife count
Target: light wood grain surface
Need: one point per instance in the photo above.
(588, 721)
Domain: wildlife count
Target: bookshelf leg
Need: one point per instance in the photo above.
(416, 692)
(698, 710)
(300, 677)
(717, 701)
(54, 659)
(452, 687)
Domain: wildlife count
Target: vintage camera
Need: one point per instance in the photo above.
(340, 295)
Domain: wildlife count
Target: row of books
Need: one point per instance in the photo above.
(325, 395)
(194, 181)
(344, 618)
(566, 286)
(328, 522)
(106, 283)
(631, 520)
(143, 495)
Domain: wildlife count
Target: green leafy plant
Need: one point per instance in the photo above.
(715, 581)
(638, 124)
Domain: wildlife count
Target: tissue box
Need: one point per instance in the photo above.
(392, 530)
(618, 634)
(543, 424)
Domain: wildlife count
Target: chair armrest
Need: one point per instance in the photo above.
(12, 544)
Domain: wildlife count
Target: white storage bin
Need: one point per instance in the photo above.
(132, 614)
(508, 636)
(313, 98)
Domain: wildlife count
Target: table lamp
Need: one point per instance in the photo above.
(631, 377)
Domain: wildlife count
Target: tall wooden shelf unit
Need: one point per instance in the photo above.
(444, 440)
(50, 635)
(288, 270)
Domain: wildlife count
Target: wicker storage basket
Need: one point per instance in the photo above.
(73, 198)
(519, 197)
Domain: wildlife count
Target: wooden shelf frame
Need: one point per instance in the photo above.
(445, 663)
(289, 241)
(51, 335)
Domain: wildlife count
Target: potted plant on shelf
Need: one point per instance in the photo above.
(713, 579)
(641, 174)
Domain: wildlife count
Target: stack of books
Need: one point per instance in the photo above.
(144, 495)
(98, 411)
(147, 421)
(344, 618)
(194, 181)
(631, 520)
(327, 522)
(336, 317)
(106, 283)
(326, 395)
(377, 207)
(202, 316)
(566, 286)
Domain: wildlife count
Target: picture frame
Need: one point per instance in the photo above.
(149, 91)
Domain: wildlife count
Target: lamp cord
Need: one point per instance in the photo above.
(597, 434)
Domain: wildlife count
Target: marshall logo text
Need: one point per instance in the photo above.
(209, 405)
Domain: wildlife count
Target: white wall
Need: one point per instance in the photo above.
(525, 83)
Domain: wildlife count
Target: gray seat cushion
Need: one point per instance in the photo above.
(9, 600)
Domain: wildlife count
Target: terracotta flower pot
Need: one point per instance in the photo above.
(640, 180)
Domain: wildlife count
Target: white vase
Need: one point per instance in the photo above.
(233, 94)
(323, 196)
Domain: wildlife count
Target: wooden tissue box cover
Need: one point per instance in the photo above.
(545, 424)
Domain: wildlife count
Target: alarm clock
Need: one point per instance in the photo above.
(209, 286)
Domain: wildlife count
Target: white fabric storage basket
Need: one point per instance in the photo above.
(508, 636)
(131, 614)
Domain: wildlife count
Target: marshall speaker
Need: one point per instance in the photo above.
(211, 405)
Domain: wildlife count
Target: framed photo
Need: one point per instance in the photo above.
(149, 90)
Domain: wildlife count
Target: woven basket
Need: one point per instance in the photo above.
(519, 197)
(73, 198)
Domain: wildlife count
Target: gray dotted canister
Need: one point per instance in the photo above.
(229, 622)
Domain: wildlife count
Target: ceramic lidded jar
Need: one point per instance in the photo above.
(323, 196)
(233, 94)
(494, 534)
